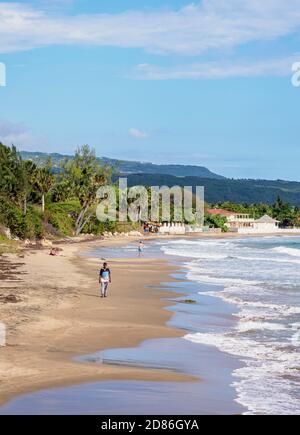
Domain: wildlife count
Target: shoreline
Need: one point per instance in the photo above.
(76, 316)
(207, 368)
(57, 318)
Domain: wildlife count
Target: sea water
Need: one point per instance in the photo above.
(260, 277)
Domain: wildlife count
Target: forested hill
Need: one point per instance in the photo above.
(238, 191)
(132, 167)
(217, 188)
(38, 202)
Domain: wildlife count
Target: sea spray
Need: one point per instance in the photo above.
(260, 277)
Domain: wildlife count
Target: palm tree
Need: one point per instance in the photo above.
(28, 171)
(85, 176)
(44, 181)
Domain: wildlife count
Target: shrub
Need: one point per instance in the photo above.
(216, 221)
(34, 223)
(12, 217)
(27, 226)
(62, 216)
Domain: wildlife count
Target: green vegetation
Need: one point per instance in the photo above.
(61, 216)
(7, 246)
(236, 191)
(36, 202)
(215, 221)
(288, 215)
(56, 196)
(128, 167)
(84, 176)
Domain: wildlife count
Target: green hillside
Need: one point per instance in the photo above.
(238, 191)
(217, 188)
(56, 197)
(131, 167)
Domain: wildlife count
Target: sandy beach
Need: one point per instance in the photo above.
(69, 351)
(58, 314)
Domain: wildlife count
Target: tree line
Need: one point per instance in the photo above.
(36, 200)
(288, 215)
(29, 190)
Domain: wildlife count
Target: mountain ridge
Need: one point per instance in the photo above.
(134, 166)
(217, 188)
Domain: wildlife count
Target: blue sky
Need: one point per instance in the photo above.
(205, 83)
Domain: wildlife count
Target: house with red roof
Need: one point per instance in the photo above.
(244, 223)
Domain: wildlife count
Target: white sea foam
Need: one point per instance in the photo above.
(251, 325)
(295, 339)
(258, 308)
(259, 276)
(217, 280)
(289, 251)
(266, 383)
(269, 259)
(195, 254)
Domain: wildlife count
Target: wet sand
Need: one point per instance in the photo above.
(209, 393)
(58, 315)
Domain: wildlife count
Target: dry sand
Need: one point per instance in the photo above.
(58, 314)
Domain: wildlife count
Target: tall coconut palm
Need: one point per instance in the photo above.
(28, 171)
(44, 181)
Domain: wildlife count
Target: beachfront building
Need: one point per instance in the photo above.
(172, 228)
(266, 224)
(244, 224)
(235, 221)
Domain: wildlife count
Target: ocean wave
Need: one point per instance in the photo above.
(285, 250)
(205, 255)
(295, 339)
(256, 309)
(269, 368)
(268, 259)
(256, 325)
(195, 274)
(260, 279)
(194, 254)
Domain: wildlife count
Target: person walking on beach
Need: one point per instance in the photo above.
(104, 280)
(141, 247)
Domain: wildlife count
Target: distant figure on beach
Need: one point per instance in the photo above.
(104, 280)
(54, 252)
(141, 247)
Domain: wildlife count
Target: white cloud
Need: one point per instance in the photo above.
(137, 134)
(217, 70)
(17, 134)
(206, 25)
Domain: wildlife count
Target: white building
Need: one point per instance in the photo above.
(235, 221)
(263, 225)
(172, 228)
(244, 224)
(266, 224)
